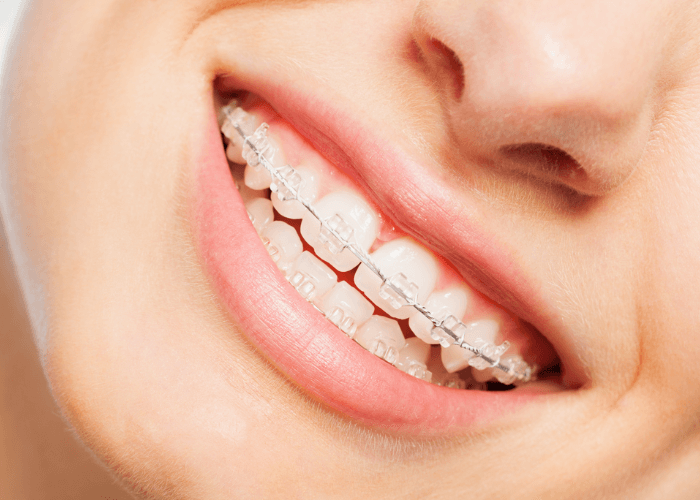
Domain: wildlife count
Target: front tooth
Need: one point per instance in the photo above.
(351, 217)
(382, 337)
(256, 176)
(413, 358)
(259, 212)
(456, 358)
(407, 264)
(282, 243)
(308, 191)
(346, 308)
(441, 303)
(311, 277)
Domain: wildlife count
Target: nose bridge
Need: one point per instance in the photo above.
(566, 75)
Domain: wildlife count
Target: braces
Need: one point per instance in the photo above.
(338, 236)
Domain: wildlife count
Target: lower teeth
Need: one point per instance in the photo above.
(318, 284)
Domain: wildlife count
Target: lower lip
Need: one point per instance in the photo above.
(302, 343)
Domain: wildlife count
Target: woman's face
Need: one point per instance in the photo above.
(544, 157)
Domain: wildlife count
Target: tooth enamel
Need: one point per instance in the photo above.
(413, 358)
(442, 303)
(308, 191)
(259, 212)
(351, 217)
(406, 263)
(257, 176)
(282, 243)
(382, 337)
(311, 277)
(477, 333)
(440, 376)
(481, 375)
(346, 308)
(236, 116)
(248, 194)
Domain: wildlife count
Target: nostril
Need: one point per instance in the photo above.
(449, 64)
(544, 160)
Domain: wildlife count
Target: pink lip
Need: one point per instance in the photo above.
(295, 337)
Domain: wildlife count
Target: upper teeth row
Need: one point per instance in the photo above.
(338, 241)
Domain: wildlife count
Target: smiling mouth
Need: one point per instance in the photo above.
(380, 287)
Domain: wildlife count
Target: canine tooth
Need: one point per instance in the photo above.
(441, 303)
(478, 333)
(351, 217)
(256, 176)
(259, 212)
(311, 277)
(282, 243)
(413, 358)
(346, 308)
(308, 191)
(382, 337)
(407, 260)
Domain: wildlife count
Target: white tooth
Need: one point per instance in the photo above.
(293, 209)
(346, 308)
(311, 277)
(382, 337)
(245, 121)
(440, 375)
(413, 358)
(282, 243)
(456, 358)
(441, 303)
(259, 212)
(354, 218)
(256, 176)
(406, 262)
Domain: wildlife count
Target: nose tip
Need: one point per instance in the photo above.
(528, 88)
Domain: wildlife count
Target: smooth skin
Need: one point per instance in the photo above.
(575, 124)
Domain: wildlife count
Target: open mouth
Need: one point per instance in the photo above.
(366, 282)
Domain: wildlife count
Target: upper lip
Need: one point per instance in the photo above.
(431, 215)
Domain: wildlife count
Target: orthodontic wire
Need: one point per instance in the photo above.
(526, 371)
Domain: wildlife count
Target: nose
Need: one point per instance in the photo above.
(558, 90)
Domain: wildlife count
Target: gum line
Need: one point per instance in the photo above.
(286, 182)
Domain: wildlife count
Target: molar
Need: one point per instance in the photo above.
(352, 217)
(311, 277)
(346, 308)
(401, 258)
(308, 191)
(382, 337)
(456, 358)
(282, 243)
(259, 212)
(441, 303)
(413, 358)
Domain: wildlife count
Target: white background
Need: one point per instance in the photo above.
(8, 15)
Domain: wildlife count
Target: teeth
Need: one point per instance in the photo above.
(259, 212)
(311, 277)
(308, 191)
(477, 334)
(246, 122)
(382, 337)
(351, 217)
(409, 266)
(442, 303)
(346, 308)
(256, 176)
(282, 243)
(413, 359)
